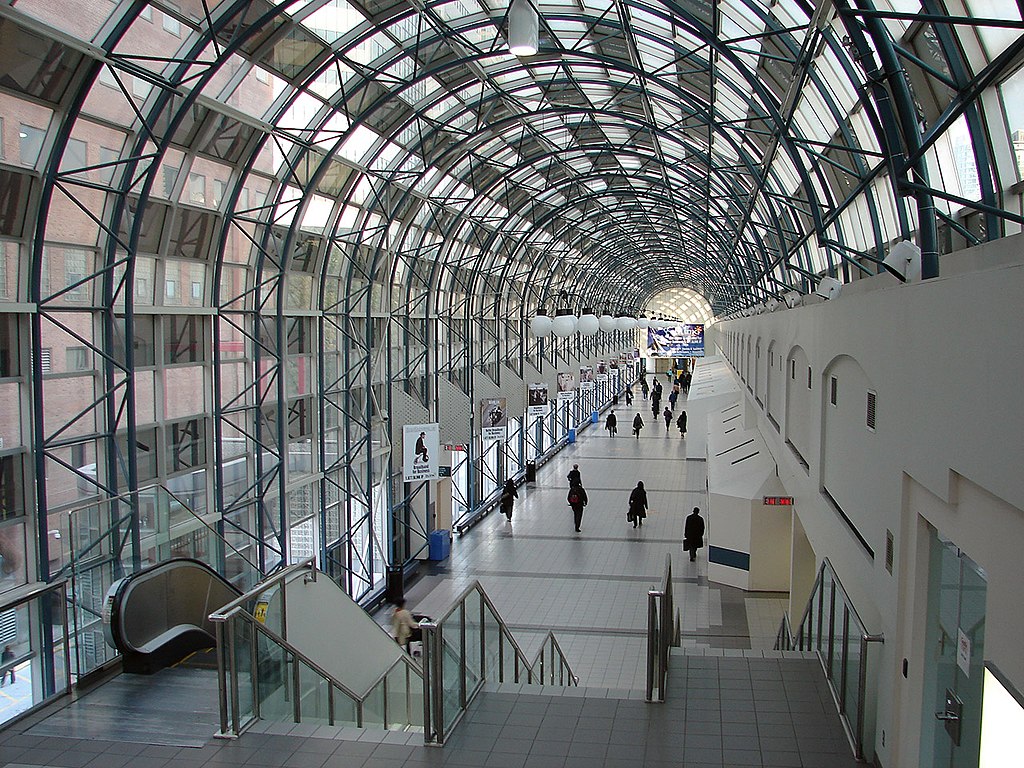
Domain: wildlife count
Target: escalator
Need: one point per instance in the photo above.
(160, 615)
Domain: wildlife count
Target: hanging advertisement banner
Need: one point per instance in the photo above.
(587, 378)
(566, 385)
(602, 370)
(537, 404)
(678, 341)
(493, 418)
(421, 446)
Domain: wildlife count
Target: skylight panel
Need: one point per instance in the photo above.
(333, 20)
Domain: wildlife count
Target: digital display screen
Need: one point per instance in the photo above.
(778, 501)
(685, 340)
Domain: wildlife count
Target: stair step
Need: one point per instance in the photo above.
(576, 692)
(741, 653)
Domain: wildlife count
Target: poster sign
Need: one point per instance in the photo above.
(625, 358)
(685, 340)
(602, 370)
(587, 378)
(537, 404)
(963, 652)
(566, 385)
(421, 444)
(493, 418)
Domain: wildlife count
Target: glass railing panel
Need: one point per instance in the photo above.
(852, 697)
(452, 672)
(273, 679)
(495, 648)
(314, 706)
(837, 640)
(345, 708)
(405, 697)
(373, 707)
(474, 637)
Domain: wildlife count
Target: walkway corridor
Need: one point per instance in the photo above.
(731, 701)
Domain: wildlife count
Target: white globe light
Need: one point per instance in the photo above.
(564, 325)
(607, 323)
(625, 323)
(588, 324)
(643, 323)
(541, 325)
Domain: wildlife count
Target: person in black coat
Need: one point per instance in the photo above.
(637, 505)
(574, 477)
(508, 497)
(577, 499)
(681, 423)
(693, 533)
(667, 413)
(638, 424)
(610, 424)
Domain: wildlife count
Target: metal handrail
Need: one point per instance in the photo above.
(663, 631)
(809, 637)
(435, 727)
(237, 610)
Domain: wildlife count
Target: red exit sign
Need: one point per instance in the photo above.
(778, 501)
(455, 448)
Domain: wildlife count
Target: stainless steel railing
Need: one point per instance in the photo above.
(832, 628)
(470, 645)
(261, 675)
(662, 633)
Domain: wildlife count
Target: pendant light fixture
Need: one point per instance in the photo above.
(541, 324)
(523, 28)
(588, 324)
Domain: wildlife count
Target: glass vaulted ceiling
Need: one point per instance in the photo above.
(238, 236)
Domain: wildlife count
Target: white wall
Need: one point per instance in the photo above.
(944, 358)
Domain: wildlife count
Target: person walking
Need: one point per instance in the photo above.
(681, 423)
(629, 396)
(667, 414)
(638, 424)
(508, 497)
(637, 505)
(610, 424)
(645, 390)
(6, 658)
(577, 499)
(673, 396)
(574, 477)
(693, 533)
(404, 628)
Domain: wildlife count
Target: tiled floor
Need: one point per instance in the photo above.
(728, 705)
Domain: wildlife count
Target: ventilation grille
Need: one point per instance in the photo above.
(888, 551)
(871, 410)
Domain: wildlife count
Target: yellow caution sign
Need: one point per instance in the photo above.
(261, 611)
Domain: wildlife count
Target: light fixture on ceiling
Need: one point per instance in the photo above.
(772, 305)
(523, 28)
(625, 323)
(904, 261)
(541, 324)
(588, 324)
(828, 288)
(643, 322)
(792, 298)
(607, 321)
(564, 323)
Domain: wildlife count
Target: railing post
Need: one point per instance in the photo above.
(844, 659)
(429, 646)
(652, 648)
(831, 625)
(233, 665)
(462, 654)
(222, 679)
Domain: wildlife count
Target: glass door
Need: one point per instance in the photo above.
(951, 724)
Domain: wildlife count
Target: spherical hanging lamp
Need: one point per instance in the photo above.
(607, 322)
(541, 324)
(625, 323)
(643, 322)
(588, 324)
(564, 323)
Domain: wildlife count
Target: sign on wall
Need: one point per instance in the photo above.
(421, 444)
(685, 340)
(537, 403)
(493, 418)
(566, 385)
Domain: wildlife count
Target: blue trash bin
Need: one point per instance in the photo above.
(440, 545)
(593, 417)
(572, 434)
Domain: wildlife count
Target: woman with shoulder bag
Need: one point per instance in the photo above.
(637, 505)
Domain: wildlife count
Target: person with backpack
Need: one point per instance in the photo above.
(508, 497)
(667, 414)
(577, 499)
(638, 424)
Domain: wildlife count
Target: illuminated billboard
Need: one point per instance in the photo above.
(678, 341)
